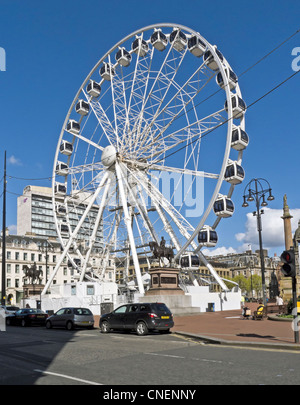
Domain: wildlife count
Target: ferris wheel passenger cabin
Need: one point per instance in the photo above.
(178, 39)
(73, 127)
(66, 148)
(207, 236)
(123, 57)
(232, 79)
(93, 89)
(60, 189)
(107, 71)
(239, 139)
(82, 107)
(64, 230)
(196, 46)
(61, 168)
(223, 206)
(238, 106)
(209, 60)
(234, 173)
(60, 210)
(140, 47)
(190, 261)
(159, 40)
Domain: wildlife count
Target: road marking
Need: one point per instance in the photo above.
(67, 376)
(166, 355)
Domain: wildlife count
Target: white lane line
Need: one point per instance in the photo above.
(193, 358)
(67, 376)
(165, 355)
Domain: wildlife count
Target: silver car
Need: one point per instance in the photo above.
(70, 318)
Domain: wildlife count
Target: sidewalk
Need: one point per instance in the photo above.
(228, 327)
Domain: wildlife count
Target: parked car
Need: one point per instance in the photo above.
(140, 317)
(70, 318)
(9, 309)
(27, 317)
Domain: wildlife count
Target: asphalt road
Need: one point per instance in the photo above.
(36, 356)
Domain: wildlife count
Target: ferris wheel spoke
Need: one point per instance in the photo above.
(162, 203)
(90, 167)
(88, 141)
(136, 95)
(186, 134)
(103, 121)
(171, 108)
(137, 126)
(160, 88)
(169, 169)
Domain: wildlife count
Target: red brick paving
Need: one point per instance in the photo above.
(229, 326)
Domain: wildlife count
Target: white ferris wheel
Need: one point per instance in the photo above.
(157, 125)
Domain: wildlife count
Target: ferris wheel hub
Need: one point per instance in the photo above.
(109, 156)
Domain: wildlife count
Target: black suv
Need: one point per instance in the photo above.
(141, 317)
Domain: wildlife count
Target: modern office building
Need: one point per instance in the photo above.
(34, 212)
(35, 215)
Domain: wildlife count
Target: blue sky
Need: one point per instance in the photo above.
(50, 48)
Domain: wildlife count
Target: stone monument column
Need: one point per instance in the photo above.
(288, 236)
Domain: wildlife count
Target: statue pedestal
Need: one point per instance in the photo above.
(30, 290)
(164, 281)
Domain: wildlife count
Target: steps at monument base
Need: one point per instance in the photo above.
(185, 311)
(178, 304)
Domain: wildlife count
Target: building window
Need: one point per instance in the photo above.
(25, 256)
(8, 255)
(8, 268)
(32, 257)
(17, 281)
(90, 290)
(17, 255)
(73, 289)
(17, 269)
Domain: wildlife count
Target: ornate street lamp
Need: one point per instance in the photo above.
(46, 247)
(256, 191)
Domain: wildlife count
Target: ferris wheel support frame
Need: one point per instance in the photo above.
(72, 236)
(129, 229)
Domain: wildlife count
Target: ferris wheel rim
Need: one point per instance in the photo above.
(229, 126)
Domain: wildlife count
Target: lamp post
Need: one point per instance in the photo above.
(256, 191)
(3, 275)
(45, 247)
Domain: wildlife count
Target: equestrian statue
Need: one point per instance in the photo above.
(32, 274)
(161, 251)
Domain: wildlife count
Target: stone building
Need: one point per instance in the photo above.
(44, 252)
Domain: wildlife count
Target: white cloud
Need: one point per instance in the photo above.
(272, 228)
(240, 236)
(14, 161)
(12, 229)
(222, 250)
